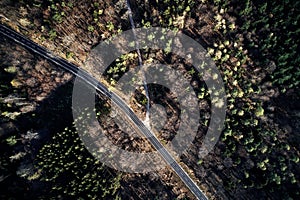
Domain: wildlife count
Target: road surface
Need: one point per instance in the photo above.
(20, 39)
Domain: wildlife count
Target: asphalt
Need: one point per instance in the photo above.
(99, 87)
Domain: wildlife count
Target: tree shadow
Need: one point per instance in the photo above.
(35, 128)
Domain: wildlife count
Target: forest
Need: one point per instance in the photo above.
(255, 47)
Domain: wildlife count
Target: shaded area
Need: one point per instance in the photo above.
(254, 44)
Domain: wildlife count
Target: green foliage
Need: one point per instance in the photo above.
(91, 28)
(52, 34)
(276, 25)
(267, 31)
(72, 171)
(69, 55)
(110, 26)
(272, 156)
(259, 111)
(11, 141)
(58, 17)
(11, 69)
(174, 12)
(120, 66)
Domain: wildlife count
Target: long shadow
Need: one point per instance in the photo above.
(52, 115)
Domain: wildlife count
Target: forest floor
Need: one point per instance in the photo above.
(257, 156)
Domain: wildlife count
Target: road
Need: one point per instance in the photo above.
(99, 87)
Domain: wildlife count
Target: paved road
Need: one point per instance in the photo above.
(18, 38)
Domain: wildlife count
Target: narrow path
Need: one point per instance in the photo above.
(137, 47)
(99, 87)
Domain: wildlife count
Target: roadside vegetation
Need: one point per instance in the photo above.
(255, 45)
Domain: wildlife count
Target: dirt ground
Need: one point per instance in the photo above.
(72, 35)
